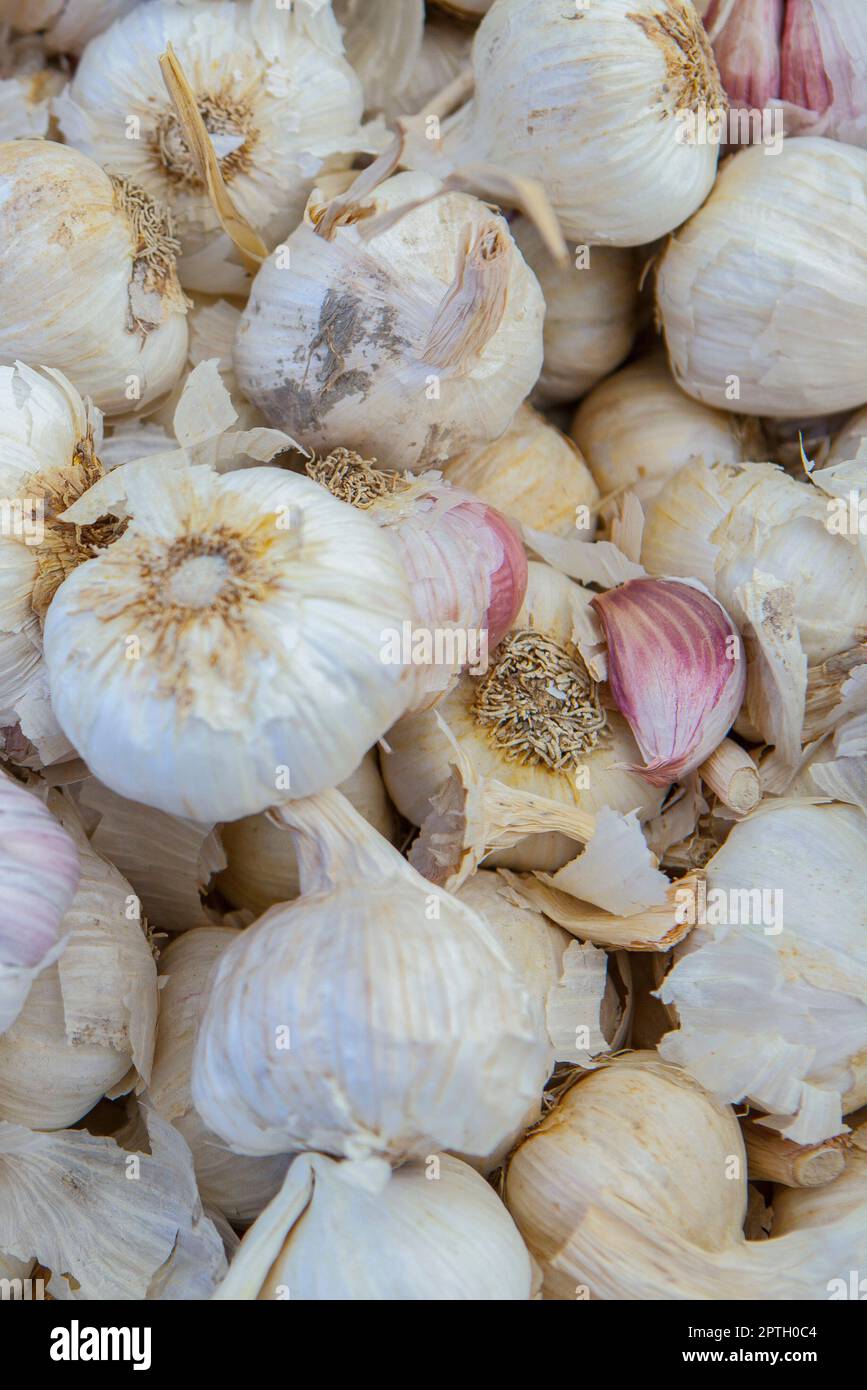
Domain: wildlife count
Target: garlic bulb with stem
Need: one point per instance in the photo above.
(634, 1187)
(771, 985)
(806, 312)
(39, 874)
(616, 158)
(86, 1028)
(432, 1229)
(405, 345)
(238, 1187)
(532, 472)
(637, 428)
(262, 869)
(277, 98)
(227, 633)
(592, 313)
(87, 269)
(391, 989)
(566, 747)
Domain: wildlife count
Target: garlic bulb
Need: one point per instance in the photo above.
(392, 990)
(262, 868)
(637, 429)
(634, 1188)
(236, 1186)
(65, 25)
(779, 954)
(276, 96)
(405, 345)
(466, 565)
(532, 472)
(805, 312)
(27, 86)
(39, 874)
(383, 44)
(511, 727)
(87, 270)
(444, 54)
(617, 159)
(592, 313)
(205, 662)
(87, 1025)
(430, 1230)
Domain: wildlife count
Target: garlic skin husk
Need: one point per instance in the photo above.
(407, 344)
(392, 989)
(592, 313)
(65, 26)
(612, 156)
(49, 440)
(39, 874)
(87, 1026)
(213, 323)
(723, 524)
(466, 565)
(279, 101)
(432, 1229)
(806, 313)
(208, 690)
(532, 473)
(675, 669)
(635, 1188)
(87, 265)
(420, 753)
(755, 998)
(238, 1187)
(637, 429)
(262, 868)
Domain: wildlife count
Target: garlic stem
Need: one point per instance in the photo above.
(732, 775)
(775, 1159)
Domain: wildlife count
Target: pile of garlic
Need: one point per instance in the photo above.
(433, 651)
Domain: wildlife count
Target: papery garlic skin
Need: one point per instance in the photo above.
(236, 1186)
(533, 474)
(397, 995)
(420, 754)
(262, 867)
(774, 1007)
(39, 873)
(430, 1230)
(255, 605)
(636, 429)
(592, 313)
(67, 25)
(676, 671)
(275, 93)
(405, 345)
(87, 267)
(611, 155)
(806, 313)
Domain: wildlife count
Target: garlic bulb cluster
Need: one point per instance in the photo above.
(88, 282)
(782, 341)
(618, 160)
(395, 992)
(405, 345)
(206, 661)
(277, 98)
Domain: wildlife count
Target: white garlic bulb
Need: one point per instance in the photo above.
(533, 474)
(275, 94)
(262, 868)
(592, 313)
(238, 1187)
(87, 1025)
(637, 429)
(206, 661)
(406, 345)
(65, 25)
(616, 158)
(374, 1015)
(383, 44)
(87, 277)
(429, 1230)
(511, 727)
(771, 988)
(783, 340)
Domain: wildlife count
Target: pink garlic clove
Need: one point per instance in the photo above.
(805, 82)
(747, 50)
